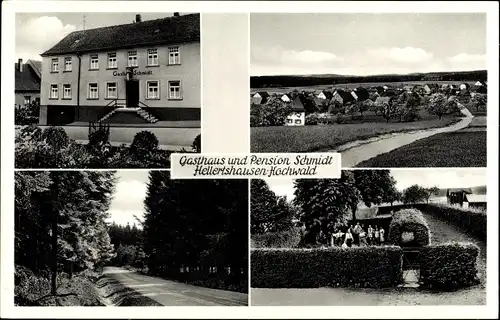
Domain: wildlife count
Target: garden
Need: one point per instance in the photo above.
(52, 148)
(449, 242)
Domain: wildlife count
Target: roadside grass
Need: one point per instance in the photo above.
(451, 149)
(326, 137)
(119, 295)
(479, 121)
(33, 290)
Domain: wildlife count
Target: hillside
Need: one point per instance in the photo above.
(331, 79)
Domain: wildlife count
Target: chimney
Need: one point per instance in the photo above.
(20, 65)
(176, 14)
(138, 18)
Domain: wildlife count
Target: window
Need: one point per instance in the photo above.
(54, 91)
(111, 90)
(112, 62)
(93, 91)
(55, 65)
(68, 64)
(289, 121)
(152, 57)
(132, 59)
(174, 56)
(174, 90)
(153, 90)
(27, 99)
(66, 91)
(298, 121)
(94, 62)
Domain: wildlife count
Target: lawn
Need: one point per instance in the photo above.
(327, 137)
(451, 149)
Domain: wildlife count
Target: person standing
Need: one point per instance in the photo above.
(362, 238)
(376, 236)
(382, 235)
(370, 235)
(356, 231)
(348, 238)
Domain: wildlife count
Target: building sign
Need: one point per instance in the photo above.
(135, 73)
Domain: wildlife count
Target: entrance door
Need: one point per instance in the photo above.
(132, 94)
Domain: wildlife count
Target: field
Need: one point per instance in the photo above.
(282, 90)
(451, 149)
(327, 137)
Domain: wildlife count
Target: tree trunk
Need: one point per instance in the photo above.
(353, 209)
(54, 253)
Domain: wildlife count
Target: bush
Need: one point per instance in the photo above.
(368, 267)
(144, 141)
(472, 221)
(196, 145)
(339, 118)
(312, 119)
(31, 132)
(283, 239)
(409, 221)
(56, 137)
(449, 266)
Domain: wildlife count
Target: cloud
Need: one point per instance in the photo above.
(403, 55)
(468, 58)
(40, 34)
(308, 56)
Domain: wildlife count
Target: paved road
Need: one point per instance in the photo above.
(358, 151)
(171, 293)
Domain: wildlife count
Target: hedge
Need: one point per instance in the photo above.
(368, 267)
(472, 221)
(409, 220)
(449, 265)
(283, 239)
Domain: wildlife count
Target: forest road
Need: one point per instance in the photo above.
(171, 293)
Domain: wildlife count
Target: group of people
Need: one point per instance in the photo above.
(358, 236)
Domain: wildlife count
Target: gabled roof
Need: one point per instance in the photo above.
(169, 30)
(388, 93)
(454, 190)
(474, 198)
(263, 94)
(478, 89)
(328, 94)
(298, 104)
(29, 79)
(345, 95)
(362, 93)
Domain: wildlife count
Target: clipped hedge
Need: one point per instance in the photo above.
(367, 267)
(409, 221)
(472, 221)
(449, 266)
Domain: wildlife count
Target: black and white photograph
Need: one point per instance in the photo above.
(383, 89)
(129, 238)
(106, 90)
(392, 237)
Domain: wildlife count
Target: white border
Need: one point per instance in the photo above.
(7, 220)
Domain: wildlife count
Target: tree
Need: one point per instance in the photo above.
(407, 106)
(479, 100)
(437, 105)
(325, 204)
(275, 112)
(418, 194)
(393, 195)
(374, 187)
(386, 108)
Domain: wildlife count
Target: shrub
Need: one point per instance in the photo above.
(368, 267)
(283, 239)
(31, 132)
(339, 118)
(196, 145)
(144, 142)
(56, 137)
(449, 266)
(312, 119)
(409, 221)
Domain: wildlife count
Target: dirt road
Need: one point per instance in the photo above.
(358, 151)
(171, 293)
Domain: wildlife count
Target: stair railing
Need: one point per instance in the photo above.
(150, 110)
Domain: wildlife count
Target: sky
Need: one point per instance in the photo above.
(441, 178)
(38, 32)
(366, 43)
(128, 199)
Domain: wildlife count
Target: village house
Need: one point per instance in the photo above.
(466, 198)
(478, 89)
(298, 116)
(324, 95)
(464, 86)
(260, 97)
(361, 93)
(480, 83)
(285, 98)
(343, 97)
(27, 81)
(141, 72)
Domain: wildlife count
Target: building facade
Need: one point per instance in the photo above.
(143, 72)
(27, 82)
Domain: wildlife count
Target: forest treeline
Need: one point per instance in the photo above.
(314, 80)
